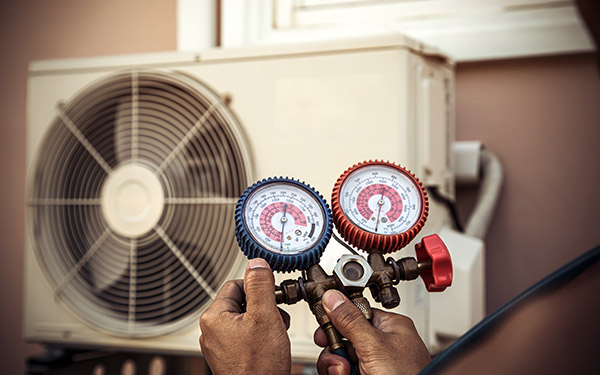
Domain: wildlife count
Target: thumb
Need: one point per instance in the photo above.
(259, 287)
(347, 318)
(329, 363)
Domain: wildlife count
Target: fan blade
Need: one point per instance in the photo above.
(123, 134)
(109, 267)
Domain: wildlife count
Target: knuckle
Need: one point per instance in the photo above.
(204, 320)
(207, 319)
(229, 287)
(229, 284)
(405, 321)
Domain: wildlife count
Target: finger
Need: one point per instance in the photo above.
(319, 338)
(259, 286)
(329, 364)
(347, 318)
(285, 317)
(229, 298)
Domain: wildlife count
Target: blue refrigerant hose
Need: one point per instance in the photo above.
(342, 353)
(555, 280)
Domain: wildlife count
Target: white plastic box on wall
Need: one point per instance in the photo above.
(197, 128)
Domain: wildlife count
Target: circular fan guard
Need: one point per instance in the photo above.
(121, 261)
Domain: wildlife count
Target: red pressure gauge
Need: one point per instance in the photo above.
(379, 206)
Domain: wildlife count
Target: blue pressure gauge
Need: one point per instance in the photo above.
(284, 221)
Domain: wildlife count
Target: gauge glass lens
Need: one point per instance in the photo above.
(381, 199)
(284, 218)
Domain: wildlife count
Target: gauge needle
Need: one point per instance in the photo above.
(283, 221)
(380, 203)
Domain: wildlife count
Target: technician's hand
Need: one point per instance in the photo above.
(254, 341)
(391, 345)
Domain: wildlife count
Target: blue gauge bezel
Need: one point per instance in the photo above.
(282, 262)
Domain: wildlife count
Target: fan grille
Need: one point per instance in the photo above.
(112, 264)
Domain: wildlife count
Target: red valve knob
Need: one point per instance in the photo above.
(432, 250)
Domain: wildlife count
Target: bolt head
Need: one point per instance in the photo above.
(353, 271)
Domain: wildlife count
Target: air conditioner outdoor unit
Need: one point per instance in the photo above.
(136, 162)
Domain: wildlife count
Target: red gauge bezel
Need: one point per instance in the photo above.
(368, 241)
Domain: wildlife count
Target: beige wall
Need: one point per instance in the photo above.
(541, 116)
(33, 30)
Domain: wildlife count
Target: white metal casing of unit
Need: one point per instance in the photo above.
(308, 111)
(467, 292)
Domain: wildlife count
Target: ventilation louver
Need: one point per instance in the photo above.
(131, 201)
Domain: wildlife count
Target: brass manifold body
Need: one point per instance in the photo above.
(351, 275)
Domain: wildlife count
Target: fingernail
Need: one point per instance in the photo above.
(333, 298)
(334, 370)
(257, 263)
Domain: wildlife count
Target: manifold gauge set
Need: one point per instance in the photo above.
(377, 207)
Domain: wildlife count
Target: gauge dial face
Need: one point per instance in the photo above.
(284, 218)
(381, 199)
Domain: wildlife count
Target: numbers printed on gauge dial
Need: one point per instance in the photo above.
(381, 199)
(284, 218)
